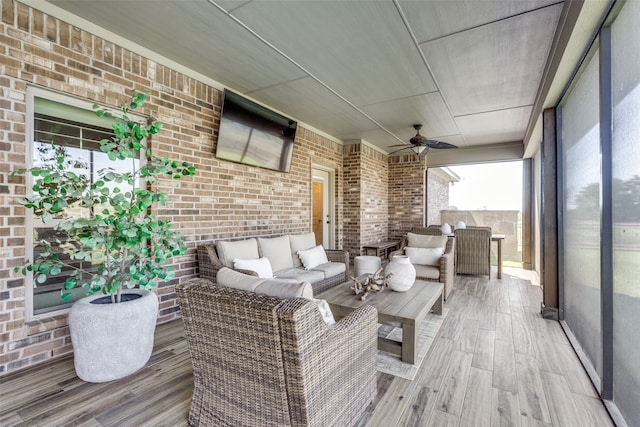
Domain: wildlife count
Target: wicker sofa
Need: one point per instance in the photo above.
(442, 270)
(282, 252)
(260, 360)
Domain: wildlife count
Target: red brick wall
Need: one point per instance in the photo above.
(366, 176)
(437, 196)
(406, 193)
(223, 200)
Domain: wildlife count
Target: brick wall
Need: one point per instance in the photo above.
(224, 200)
(406, 193)
(366, 197)
(437, 196)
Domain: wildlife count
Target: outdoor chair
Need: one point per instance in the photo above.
(473, 250)
(260, 360)
(430, 230)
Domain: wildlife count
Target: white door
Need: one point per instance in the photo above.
(322, 207)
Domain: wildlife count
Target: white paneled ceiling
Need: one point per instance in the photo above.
(468, 70)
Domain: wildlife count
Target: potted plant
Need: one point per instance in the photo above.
(113, 246)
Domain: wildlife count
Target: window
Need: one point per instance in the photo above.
(78, 131)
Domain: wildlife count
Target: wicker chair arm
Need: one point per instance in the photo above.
(337, 255)
(328, 368)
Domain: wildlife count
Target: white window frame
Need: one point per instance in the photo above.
(34, 92)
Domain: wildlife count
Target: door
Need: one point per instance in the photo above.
(322, 206)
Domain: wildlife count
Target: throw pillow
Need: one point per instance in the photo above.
(278, 250)
(460, 225)
(262, 266)
(424, 256)
(426, 241)
(325, 310)
(313, 257)
(300, 242)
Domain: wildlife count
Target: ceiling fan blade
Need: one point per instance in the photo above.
(401, 145)
(431, 143)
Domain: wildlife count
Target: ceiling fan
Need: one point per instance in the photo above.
(420, 144)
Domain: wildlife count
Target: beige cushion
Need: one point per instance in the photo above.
(300, 242)
(427, 272)
(262, 266)
(244, 249)
(313, 257)
(300, 274)
(426, 241)
(278, 250)
(281, 288)
(424, 256)
(331, 269)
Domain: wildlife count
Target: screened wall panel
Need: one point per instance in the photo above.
(626, 211)
(581, 195)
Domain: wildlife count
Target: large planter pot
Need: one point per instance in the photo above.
(403, 274)
(111, 341)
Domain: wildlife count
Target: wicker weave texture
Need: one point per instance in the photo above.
(263, 361)
(209, 264)
(473, 251)
(432, 231)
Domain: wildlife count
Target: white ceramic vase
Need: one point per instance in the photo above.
(403, 274)
(111, 341)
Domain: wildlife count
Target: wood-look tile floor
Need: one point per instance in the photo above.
(495, 362)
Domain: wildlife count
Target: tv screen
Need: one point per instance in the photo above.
(254, 135)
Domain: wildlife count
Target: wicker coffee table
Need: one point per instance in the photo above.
(406, 309)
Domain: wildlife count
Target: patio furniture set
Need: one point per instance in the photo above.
(267, 350)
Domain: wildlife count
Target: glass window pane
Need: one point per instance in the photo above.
(581, 166)
(80, 141)
(626, 211)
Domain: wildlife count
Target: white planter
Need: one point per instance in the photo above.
(403, 274)
(111, 341)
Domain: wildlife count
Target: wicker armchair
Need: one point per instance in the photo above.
(473, 251)
(445, 273)
(264, 361)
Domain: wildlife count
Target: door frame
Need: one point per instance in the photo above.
(326, 175)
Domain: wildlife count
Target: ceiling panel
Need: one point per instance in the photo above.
(508, 57)
(429, 110)
(361, 49)
(309, 97)
(434, 19)
(333, 64)
(495, 126)
(194, 34)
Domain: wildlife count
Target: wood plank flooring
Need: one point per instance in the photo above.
(495, 362)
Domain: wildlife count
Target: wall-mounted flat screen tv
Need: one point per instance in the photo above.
(254, 135)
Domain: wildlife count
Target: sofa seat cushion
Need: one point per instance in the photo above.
(300, 275)
(281, 288)
(427, 271)
(330, 269)
(278, 250)
(244, 249)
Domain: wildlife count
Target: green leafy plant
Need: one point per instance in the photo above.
(111, 241)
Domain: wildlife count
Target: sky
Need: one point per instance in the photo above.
(495, 186)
